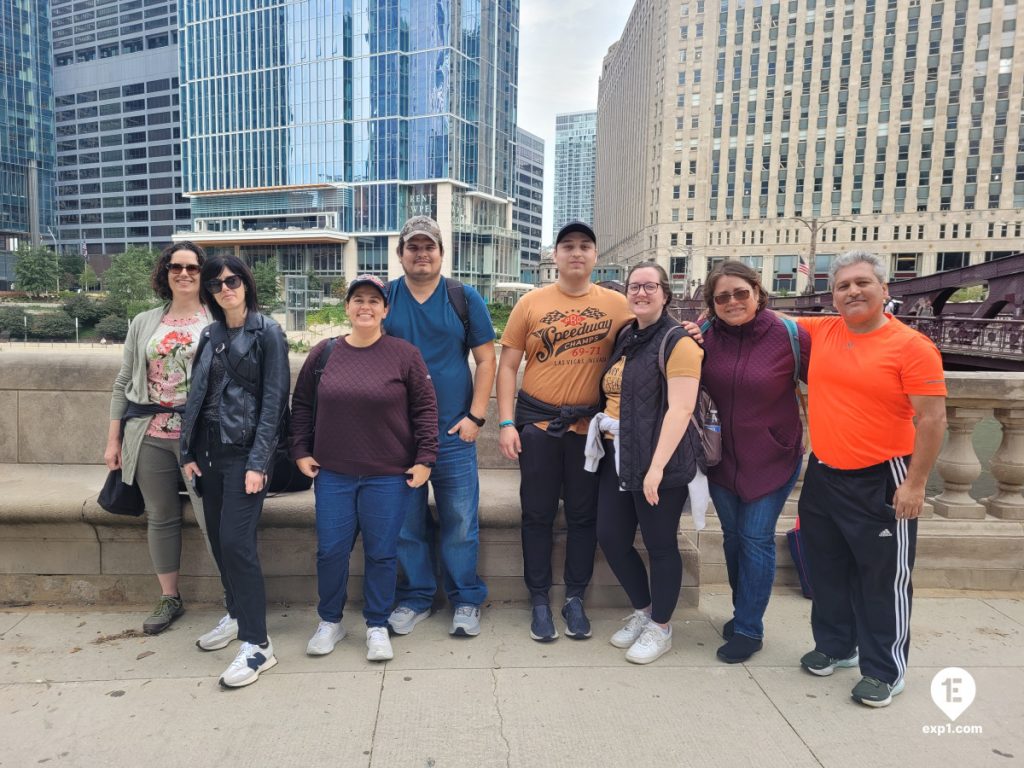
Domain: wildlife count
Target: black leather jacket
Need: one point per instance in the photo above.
(260, 355)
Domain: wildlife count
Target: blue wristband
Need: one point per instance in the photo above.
(506, 423)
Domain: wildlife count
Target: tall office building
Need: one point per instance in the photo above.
(313, 129)
(575, 165)
(26, 130)
(784, 134)
(528, 214)
(118, 125)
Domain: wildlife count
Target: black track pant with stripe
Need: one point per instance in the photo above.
(860, 558)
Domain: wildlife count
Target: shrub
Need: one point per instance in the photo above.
(51, 325)
(113, 328)
(11, 320)
(85, 309)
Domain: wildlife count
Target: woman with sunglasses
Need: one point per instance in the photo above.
(366, 431)
(748, 371)
(232, 426)
(145, 414)
(650, 455)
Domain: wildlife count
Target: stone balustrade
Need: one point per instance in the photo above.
(54, 540)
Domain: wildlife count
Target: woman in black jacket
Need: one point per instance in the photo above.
(650, 457)
(230, 432)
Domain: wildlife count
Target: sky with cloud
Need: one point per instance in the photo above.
(561, 46)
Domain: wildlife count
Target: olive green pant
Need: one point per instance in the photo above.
(158, 476)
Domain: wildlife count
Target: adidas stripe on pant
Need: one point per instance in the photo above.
(860, 559)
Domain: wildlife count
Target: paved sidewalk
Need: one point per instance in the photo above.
(74, 694)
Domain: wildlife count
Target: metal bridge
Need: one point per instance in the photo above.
(978, 341)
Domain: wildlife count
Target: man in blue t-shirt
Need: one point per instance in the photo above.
(445, 320)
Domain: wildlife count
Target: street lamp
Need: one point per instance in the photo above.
(814, 224)
(56, 256)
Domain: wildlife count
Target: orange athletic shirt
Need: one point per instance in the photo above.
(567, 341)
(858, 383)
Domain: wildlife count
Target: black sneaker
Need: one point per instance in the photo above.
(166, 611)
(542, 625)
(874, 693)
(739, 649)
(727, 629)
(577, 625)
(823, 665)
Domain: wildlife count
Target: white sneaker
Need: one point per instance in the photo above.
(220, 636)
(466, 621)
(653, 643)
(246, 668)
(403, 619)
(636, 622)
(378, 644)
(327, 635)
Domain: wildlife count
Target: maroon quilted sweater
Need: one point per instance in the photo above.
(748, 371)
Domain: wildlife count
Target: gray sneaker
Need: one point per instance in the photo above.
(403, 619)
(466, 621)
(823, 665)
(220, 636)
(166, 611)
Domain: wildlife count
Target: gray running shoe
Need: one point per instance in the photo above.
(466, 621)
(166, 611)
(874, 693)
(220, 636)
(823, 665)
(403, 619)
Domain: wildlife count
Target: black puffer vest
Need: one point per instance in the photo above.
(644, 402)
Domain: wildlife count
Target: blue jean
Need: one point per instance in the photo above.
(345, 506)
(748, 537)
(456, 485)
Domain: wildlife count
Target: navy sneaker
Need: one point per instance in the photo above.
(577, 625)
(542, 625)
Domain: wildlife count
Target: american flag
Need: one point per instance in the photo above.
(804, 268)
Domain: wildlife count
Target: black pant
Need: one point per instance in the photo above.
(618, 513)
(552, 467)
(859, 558)
(232, 517)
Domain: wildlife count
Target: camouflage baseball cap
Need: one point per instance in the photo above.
(421, 225)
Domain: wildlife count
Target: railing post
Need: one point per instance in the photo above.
(1007, 467)
(959, 466)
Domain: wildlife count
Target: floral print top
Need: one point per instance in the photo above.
(169, 354)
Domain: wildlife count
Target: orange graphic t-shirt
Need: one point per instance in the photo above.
(567, 341)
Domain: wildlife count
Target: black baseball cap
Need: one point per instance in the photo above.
(576, 226)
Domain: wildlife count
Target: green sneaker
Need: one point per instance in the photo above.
(818, 663)
(166, 611)
(875, 693)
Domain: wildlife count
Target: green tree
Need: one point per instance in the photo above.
(112, 328)
(268, 289)
(127, 279)
(339, 287)
(35, 270)
(88, 279)
(71, 266)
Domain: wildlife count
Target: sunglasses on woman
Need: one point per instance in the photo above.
(215, 285)
(177, 269)
(740, 294)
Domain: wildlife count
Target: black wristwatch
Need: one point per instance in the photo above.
(475, 420)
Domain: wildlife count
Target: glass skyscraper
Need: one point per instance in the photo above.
(527, 217)
(313, 128)
(26, 129)
(575, 164)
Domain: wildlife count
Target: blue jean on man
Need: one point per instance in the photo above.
(748, 538)
(456, 485)
(375, 506)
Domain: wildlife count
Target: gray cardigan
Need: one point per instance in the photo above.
(131, 385)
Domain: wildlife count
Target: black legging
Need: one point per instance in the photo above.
(618, 513)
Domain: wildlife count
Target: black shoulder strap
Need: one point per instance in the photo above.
(457, 298)
(318, 372)
(665, 351)
(219, 339)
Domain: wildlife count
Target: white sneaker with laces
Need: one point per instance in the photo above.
(246, 668)
(220, 636)
(466, 621)
(327, 635)
(636, 622)
(653, 643)
(378, 644)
(403, 619)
